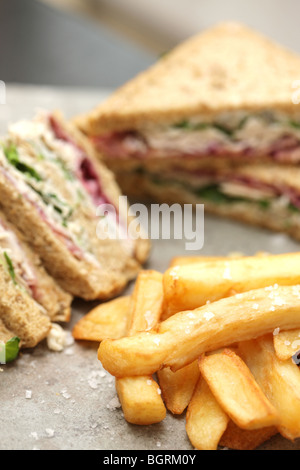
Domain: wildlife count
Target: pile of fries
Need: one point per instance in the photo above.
(216, 338)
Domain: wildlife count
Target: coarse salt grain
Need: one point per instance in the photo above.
(50, 432)
(276, 331)
(227, 273)
(208, 315)
(28, 394)
(113, 404)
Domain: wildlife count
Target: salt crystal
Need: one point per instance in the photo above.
(287, 343)
(28, 394)
(149, 382)
(279, 302)
(113, 404)
(227, 273)
(50, 432)
(296, 344)
(276, 331)
(159, 391)
(65, 394)
(190, 315)
(208, 315)
(94, 378)
(255, 306)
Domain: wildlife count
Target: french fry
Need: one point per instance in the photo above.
(287, 344)
(107, 320)
(177, 387)
(242, 439)
(182, 338)
(280, 381)
(146, 302)
(187, 260)
(236, 390)
(190, 286)
(140, 400)
(140, 397)
(205, 419)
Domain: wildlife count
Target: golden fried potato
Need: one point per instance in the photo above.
(140, 397)
(205, 419)
(182, 338)
(107, 320)
(280, 381)
(236, 390)
(178, 387)
(141, 400)
(146, 302)
(190, 286)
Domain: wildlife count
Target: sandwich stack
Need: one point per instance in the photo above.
(51, 187)
(212, 122)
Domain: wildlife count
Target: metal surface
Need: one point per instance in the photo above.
(71, 399)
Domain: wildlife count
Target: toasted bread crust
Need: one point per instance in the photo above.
(226, 68)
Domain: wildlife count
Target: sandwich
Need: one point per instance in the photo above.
(51, 188)
(30, 299)
(213, 122)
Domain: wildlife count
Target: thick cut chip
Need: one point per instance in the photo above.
(107, 320)
(280, 381)
(141, 401)
(205, 419)
(146, 302)
(236, 390)
(140, 397)
(182, 338)
(190, 286)
(178, 387)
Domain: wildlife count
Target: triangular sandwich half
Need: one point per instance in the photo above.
(179, 131)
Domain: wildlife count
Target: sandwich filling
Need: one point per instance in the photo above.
(231, 135)
(229, 188)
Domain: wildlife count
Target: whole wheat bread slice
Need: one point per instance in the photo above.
(227, 67)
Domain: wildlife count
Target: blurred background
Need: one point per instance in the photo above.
(103, 43)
